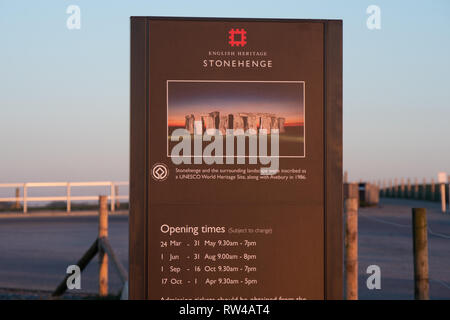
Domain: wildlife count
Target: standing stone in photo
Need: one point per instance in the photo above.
(190, 123)
(223, 124)
(198, 124)
(274, 123)
(266, 123)
(216, 118)
(238, 124)
(209, 123)
(281, 124)
(252, 123)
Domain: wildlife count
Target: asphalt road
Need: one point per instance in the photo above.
(35, 252)
(385, 239)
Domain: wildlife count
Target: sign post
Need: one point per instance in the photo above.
(236, 159)
(443, 180)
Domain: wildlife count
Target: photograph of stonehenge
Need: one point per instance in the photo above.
(209, 107)
(238, 122)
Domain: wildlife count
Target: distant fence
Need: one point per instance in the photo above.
(24, 199)
(367, 194)
(411, 189)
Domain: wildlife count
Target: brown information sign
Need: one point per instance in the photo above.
(236, 159)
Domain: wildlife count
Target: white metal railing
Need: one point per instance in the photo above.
(112, 197)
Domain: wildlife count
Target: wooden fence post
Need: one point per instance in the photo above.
(379, 187)
(433, 190)
(424, 189)
(402, 188)
(391, 188)
(112, 197)
(103, 257)
(25, 201)
(69, 205)
(408, 188)
(116, 194)
(443, 200)
(416, 188)
(448, 181)
(376, 194)
(396, 188)
(17, 204)
(351, 248)
(420, 248)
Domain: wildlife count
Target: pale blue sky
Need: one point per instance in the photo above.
(64, 94)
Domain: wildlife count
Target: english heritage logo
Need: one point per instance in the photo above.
(237, 37)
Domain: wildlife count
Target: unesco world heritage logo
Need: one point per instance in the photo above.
(160, 171)
(237, 37)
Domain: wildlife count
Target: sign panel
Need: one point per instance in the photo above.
(236, 159)
(442, 177)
